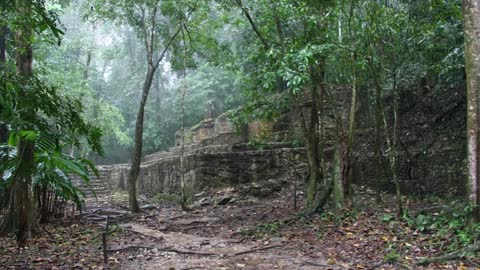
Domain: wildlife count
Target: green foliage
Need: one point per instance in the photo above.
(166, 198)
(55, 114)
(447, 223)
(53, 172)
(392, 256)
(258, 143)
(340, 217)
(57, 123)
(53, 169)
(267, 229)
(43, 21)
(387, 218)
(67, 67)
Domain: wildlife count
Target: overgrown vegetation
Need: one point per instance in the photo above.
(131, 76)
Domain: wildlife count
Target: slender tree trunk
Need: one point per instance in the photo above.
(87, 65)
(471, 11)
(20, 215)
(338, 185)
(184, 189)
(3, 60)
(3, 44)
(137, 152)
(393, 147)
(310, 130)
(4, 193)
(379, 122)
(378, 142)
(152, 66)
(348, 196)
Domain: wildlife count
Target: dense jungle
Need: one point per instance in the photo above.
(239, 134)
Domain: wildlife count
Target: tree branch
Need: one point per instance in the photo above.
(144, 29)
(169, 43)
(154, 26)
(162, 55)
(252, 23)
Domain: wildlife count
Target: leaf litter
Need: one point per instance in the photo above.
(244, 233)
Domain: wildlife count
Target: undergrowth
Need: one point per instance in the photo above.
(450, 226)
(265, 230)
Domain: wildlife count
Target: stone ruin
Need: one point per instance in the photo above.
(431, 154)
(215, 155)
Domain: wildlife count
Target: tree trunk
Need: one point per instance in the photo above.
(379, 121)
(3, 60)
(137, 152)
(393, 147)
(149, 36)
(20, 215)
(378, 142)
(347, 189)
(471, 10)
(185, 190)
(338, 185)
(310, 130)
(87, 65)
(3, 45)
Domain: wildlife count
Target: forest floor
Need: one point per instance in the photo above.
(229, 231)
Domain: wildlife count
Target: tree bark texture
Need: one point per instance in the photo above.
(3, 60)
(347, 189)
(137, 151)
(3, 44)
(20, 215)
(471, 11)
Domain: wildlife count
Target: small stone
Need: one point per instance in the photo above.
(204, 202)
(224, 200)
(205, 243)
(201, 194)
(147, 207)
(277, 239)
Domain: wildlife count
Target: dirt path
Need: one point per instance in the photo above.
(229, 231)
(210, 237)
(186, 251)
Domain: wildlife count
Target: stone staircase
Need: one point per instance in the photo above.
(97, 185)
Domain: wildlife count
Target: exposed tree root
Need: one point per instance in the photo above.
(452, 255)
(254, 250)
(320, 202)
(316, 264)
(188, 252)
(128, 248)
(167, 249)
(307, 213)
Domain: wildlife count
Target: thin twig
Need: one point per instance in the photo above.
(254, 250)
(316, 264)
(128, 248)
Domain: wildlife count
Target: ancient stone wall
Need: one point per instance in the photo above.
(215, 166)
(430, 147)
